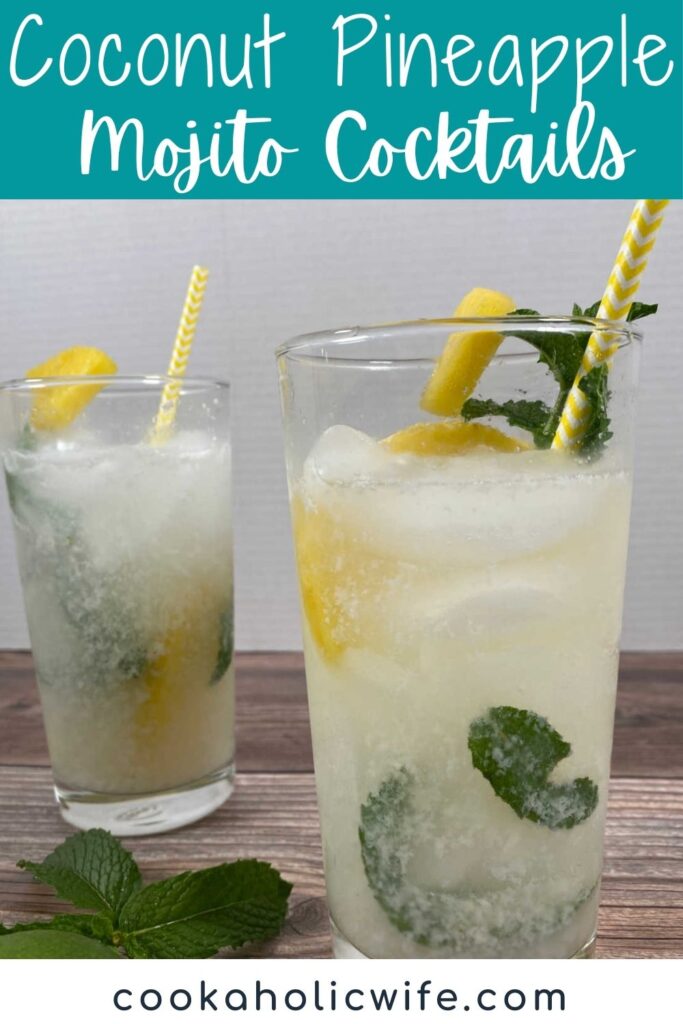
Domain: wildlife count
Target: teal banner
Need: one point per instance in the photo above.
(428, 99)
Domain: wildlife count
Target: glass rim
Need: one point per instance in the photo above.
(134, 383)
(302, 347)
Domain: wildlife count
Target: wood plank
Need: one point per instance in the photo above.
(272, 728)
(273, 813)
(22, 737)
(272, 714)
(274, 816)
(648, 729)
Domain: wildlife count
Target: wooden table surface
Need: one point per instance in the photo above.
(273, 812)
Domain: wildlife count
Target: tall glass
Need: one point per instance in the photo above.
(125, 555)
(461, 619)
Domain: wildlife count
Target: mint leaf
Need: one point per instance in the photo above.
(17, 492)
(561, 352)
(27, 441)
(640, 309)
(96, 926)
(53, 945)
(516, 750)
(463, 919)
(198, 912)
(109, 641)
(596, 433)
(91, 870)
(383, 834)
(225, 648)
(536, 417)
(637, 311)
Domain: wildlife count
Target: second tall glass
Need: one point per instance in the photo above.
(125, 553)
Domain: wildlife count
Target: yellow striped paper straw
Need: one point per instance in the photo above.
(622, 286)
(181, 353)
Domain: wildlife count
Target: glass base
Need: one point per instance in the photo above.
(146, 813)
(343, 949)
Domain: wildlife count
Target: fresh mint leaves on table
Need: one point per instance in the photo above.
(561, 352)
(191, 915)
(516, 750)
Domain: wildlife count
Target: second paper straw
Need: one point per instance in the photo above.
(187, 327)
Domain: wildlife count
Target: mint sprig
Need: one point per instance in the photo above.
(561, 352)
(596, 432)
(191, 915)
(516, 750)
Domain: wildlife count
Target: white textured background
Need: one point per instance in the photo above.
(115, 273)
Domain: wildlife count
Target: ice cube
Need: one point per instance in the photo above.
(475, 509)
(344, 455)
(501, 608)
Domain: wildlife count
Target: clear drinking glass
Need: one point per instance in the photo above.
(461, 618)
(125, 555)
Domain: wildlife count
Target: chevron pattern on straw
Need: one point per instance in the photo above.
(622, 286)
(181, 353)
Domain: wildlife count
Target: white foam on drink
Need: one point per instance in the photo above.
(484, 506)
(133, 500)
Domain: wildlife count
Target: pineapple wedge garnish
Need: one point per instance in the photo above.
(56, 407)
(466, 354)
(451, 437)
